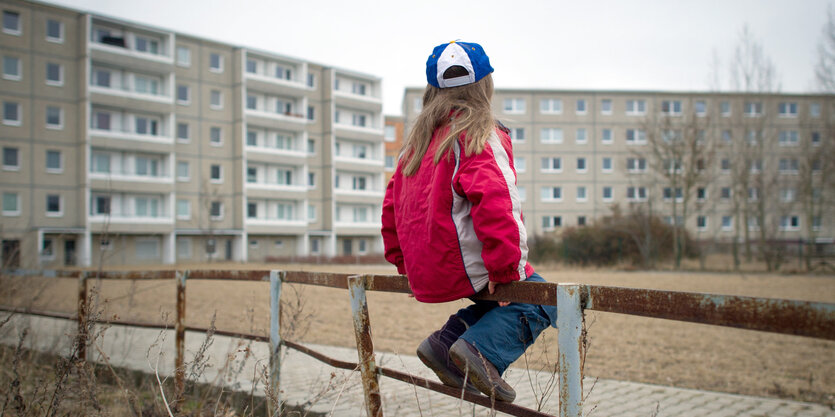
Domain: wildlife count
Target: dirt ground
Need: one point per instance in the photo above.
(621, 347)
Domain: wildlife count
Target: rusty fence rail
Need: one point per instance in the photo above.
(801, 318)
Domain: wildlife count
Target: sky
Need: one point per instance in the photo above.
(607, 44)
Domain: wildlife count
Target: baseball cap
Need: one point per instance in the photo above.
(467, 55)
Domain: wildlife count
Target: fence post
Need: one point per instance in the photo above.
(570, 325)
(180, 340)
(275, 338)
(365, 347)
(82, 316)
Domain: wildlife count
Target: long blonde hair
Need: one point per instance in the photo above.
(466, 108)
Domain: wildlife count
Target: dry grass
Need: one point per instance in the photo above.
(621, 347)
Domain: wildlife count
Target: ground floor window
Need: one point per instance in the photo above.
(147, 248)
(183, 247)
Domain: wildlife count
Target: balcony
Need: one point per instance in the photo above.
(114, 88)
(292, 121)
(113, 124)
(358, 101)
(139, 50)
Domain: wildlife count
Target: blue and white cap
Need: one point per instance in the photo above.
(468, 55)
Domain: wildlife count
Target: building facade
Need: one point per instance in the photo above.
(125, 144)
(759, 159)
(393, 138)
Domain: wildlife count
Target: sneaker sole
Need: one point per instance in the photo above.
(462, 357)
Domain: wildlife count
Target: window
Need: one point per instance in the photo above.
(816, 138)
(725, 164)
(753, 136)
(727, 223)
(54, 74)
(53, 205)
(216, 210)
(581, 164)
(359, 183)
(753, 108)
(183, 209)
(11, 22)
(671, 135)
(606, 106)
(215, 137)
(215, 62)
(54, 119)
(311, 146)
(787, 109)
(753, 223)
(551, 222)
(553, 164)
(725, 193)
(183, 56)
(581, 106)
(311, 113)
(580, 137)
(789, 222)
(581, 194)
(606, 165)
(147, 45)
(668, 194)
(551, 193)
(101, 163)
(787, 195)
(251, 66)
(251, 175)
(550, 135)
(357, 119)
(284, 211)
(788, 165)
(311, 80)
(636, 107)
(815, 109)
(701, 194)
(389, 133)
(12, 69)
(252, 210)
(54, 162)
(101, 205)
(311, 179)
(636, 137)
(216, 173)
(147, 126)
(251, 102)
(636, 165)
(183, 171)
(607, 194)
(47, 250)
(11, 204)
(788, 138)
(514, 105)
(11, 159)
(725, 108)
(700, 106)
(519, 163)
(816, 223)
(147, 248)
(606, 137)
(550, 105)
(726, 136)
(183, 247)
(636, 193)
(522, 193)
(183, 94)
(100, 77)
(216, 100)
(581, 220)
(183, 132)
(11, 113)
(517, 134)
(358, 88)
(701, 222)
(671, 107)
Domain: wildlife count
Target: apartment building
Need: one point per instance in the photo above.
(125, 144)
(579, 153)
(393, 138)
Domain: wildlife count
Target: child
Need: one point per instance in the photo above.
(452, 223)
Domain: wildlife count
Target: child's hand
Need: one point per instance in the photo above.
(491, 288)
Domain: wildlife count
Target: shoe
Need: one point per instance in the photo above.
(435, 356)
(480, 371)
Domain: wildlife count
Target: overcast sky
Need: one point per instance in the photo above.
(622, 45)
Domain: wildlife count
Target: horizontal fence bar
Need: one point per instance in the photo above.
(132, 275)
(800, 318)
(229, 275)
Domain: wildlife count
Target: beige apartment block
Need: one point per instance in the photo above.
(127, 144)
(580, 153)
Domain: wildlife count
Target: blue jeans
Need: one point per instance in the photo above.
(502, 334)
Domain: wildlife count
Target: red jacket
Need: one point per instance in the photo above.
(453, 226)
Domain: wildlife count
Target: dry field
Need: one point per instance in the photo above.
(621, 347)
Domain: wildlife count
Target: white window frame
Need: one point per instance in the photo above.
(603, 110)
(13, 122)
(218, 217)
(60, 38)
(47, 243)
(140, 241)
(551, 169)
(519, 163)
(753, 105)
(311, 213)
(793, 223)
(219, 179)
(585, 109)
(551, 222)
(637, 165)
(784, 109)
(514, 105)
(219, 142)
(551, 135)
(636, 107)
(703, 112)
(11, 167)
(585, 191)
(55, 83)
(60, 168)
(186, 178)
(788, 137)
(730, 223)
(19, 30)
(185, 101)
(13, 77)
(18, 203)
(603, 139)
(186, 139)
(671, 107)
(585, 135)
(550, 198)
(611, 168)
(815, 110)
(611, 196)
(722, 106)
(184, 248)
(219, 104)
(553, 106)
(639, 137)
(60, 212)
(585, 167)
(637, 191)
(60, 125)
(185, 63)
(516, 132)
(219, 68)
(179, 215)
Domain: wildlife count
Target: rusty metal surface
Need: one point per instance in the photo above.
(82, 318)
(42, 313)
(180, 340)
(322, 279)
(365, 346)
(132, 275)
(570, 340)
(801, 318)
(230, 275)
(523, 292)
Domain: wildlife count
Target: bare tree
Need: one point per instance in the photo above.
(825, 64)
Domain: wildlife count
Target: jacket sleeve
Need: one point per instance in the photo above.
(488, 180)
(390, 240)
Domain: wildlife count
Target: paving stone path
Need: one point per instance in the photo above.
(323, 389)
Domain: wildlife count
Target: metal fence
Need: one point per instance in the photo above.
(791, 317)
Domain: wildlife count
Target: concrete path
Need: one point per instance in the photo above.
(239, 365)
